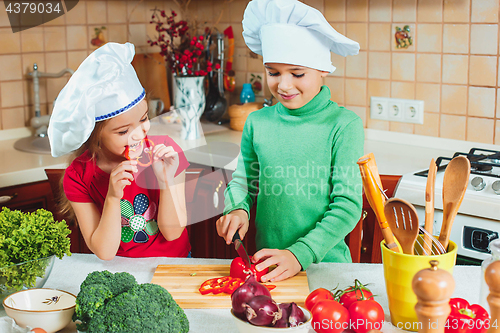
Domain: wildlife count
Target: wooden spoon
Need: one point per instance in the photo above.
(455, 181)
(429, 206)
(403, 221)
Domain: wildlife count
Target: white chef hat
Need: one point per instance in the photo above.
(104, 86)
(290, 32)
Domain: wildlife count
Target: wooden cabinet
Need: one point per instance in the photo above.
(28, 197)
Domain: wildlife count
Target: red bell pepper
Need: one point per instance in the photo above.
(215, 285)
(233, 285)
(239, 270)
(466, 318)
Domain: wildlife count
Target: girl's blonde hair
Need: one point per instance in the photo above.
(93, 145)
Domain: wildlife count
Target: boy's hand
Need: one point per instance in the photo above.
(165, 163)
(287, 264)
(228, 225)
(121, 176)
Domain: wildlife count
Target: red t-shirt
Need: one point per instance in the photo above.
(84, 181)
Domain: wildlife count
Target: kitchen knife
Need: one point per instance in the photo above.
(238, 245)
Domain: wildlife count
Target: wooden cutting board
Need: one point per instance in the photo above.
(183, 286)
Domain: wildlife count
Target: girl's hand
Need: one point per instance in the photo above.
(165, 163)
(287, 264)
(228, 225)
(121, 176)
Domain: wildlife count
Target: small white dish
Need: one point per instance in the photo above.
(50, 309)
(246, 327)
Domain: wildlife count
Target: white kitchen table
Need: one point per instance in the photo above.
(69, 273)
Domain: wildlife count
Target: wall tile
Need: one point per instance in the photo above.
(10, 67)
(429, 67)
(361, 111)
(497, 132)
(255, 64)
(405, 90)
(483, 70)
(117, 11)
(356, 66)
(455, 68)
(138, 34)
(401, 127)
(240, 59)
(55, 61)
(337, 88)
(4, 18)
(318, 4)
(359, 33)
(480, 130)
(54, 87)
(452, 127)
(430, 38)
(335, 10)
(484, 39)
(11, 43)
(485, 11)
(75, 58)
(456, 38)
(498, 105)
(379, 88)
(236, 10)
(118, 32)
(76, 37)
(340, 27)
(377, 124)
(11, 94)
(96, 12)
(54, 38)
(404, 11)
(430, 10)
(32, 39)
(222, 10)
(78, 14)
(412, 33)
(430, 93)
(355, 92)
(29, 59)
(430, 126)
(403, 66)
(379, 37)
(454, 99)
(205, 12)
(481, 102)
(339, 62)
(13, 118)
(456, 11)
(380, 10)
(379, 65)
(357, 10)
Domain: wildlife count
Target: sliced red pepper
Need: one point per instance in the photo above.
(215, 285)
(270, 286)
(221, 284)
(207, 286)
(234, 284)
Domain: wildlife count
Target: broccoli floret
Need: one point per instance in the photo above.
(132, 307)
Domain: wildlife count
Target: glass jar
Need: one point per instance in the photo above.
(247, 95)
(485, 290)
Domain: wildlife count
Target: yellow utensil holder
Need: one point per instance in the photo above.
(399, 270)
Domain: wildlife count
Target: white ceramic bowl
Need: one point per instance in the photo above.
(50, 309)
(246, 327)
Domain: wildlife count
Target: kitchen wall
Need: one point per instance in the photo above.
(452, 64)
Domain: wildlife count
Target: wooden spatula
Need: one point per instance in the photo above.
(456, 178)
(403, 221)
(429, 206)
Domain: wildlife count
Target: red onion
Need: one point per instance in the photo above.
(296, 315)
(285, 313)
(262, 311)
(245, 293)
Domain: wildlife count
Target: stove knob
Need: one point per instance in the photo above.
(496, 186)
(478, 183)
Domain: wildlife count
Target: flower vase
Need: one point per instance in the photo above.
(189, 102)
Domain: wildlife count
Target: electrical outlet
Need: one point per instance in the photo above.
(395, 109)
(413, 112)
(378, 108)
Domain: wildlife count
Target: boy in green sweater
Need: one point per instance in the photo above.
(298, 157)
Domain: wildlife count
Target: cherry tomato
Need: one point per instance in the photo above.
(366, 315)
(329, 316)
(352, 295)
(239, 270)
(317, 295)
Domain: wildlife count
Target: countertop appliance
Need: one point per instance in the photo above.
(478, 219)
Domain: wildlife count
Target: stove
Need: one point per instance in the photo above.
(478, 220)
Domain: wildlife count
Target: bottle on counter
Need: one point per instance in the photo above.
(485, 290)
(247, 95)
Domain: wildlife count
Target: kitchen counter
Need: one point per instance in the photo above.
(395, 153)
(69, 273)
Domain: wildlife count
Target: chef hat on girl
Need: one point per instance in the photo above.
(104, 86)
(290, 32)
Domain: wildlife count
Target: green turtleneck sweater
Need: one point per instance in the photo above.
(301, 166)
